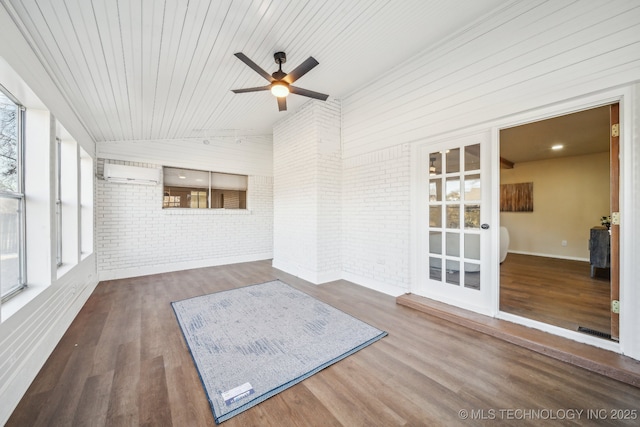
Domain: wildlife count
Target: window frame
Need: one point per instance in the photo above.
(58, 202)
(85, 202)
(20, 196)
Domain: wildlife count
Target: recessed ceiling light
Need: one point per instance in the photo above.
(182, 177)
(557, 147)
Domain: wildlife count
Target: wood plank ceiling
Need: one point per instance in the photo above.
(163, 69)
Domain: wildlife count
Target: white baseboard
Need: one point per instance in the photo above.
(328, 276)
(319, 278)
(178, 266)
(571, 258)
(314, 277)
(367, 282)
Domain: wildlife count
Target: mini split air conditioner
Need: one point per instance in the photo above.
(131, 174)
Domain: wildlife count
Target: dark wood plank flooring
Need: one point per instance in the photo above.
(555, 291)
(123, 362)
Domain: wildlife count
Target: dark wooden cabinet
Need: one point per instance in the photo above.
(599, 248)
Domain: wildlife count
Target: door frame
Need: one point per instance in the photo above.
(614, 206)
(622, 97)
(630, 228)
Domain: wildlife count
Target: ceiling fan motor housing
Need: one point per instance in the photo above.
(280, 57)
(279, 75)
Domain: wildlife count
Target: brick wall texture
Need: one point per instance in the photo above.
(133, 231)
(320, 216)
(307, 191)
(376, 216)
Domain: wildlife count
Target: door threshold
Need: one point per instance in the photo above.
(594, 359)
(594, 332)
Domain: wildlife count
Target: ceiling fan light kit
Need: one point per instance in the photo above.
(280, 83)
(279, 89)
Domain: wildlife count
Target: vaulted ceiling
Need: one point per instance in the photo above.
(164, 69)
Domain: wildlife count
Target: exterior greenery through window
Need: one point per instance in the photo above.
(12, 233)
(194, 189)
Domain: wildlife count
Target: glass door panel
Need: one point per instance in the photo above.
(453, 272)
(453, 160)
(435, 190)
(472, 246)
(458, 212)
(435, 216)
(453, 216)
(435, 242)
(435, 164)
(472, 276)
(453, 245)
(452, 189)
(472, 187)
(472, 157)
(435, 268)
(472, 216)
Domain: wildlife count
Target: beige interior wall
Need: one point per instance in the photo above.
(569, 196)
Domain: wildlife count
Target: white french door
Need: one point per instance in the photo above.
(455, 250)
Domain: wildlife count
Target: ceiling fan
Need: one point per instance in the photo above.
(280, 83)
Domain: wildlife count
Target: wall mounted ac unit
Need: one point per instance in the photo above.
(131, 174)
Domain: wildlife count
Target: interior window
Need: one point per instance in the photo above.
(195, 189)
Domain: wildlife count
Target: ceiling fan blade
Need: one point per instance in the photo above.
(251, 89)
(309, 93)
(282, 104)
(301, 70)
(255, 67)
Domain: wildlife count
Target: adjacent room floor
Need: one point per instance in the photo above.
(123, 361)
(555, 291)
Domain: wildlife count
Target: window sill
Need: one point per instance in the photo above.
(64, 269)
(190, 211)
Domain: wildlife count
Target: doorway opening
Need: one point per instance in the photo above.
(558, 189)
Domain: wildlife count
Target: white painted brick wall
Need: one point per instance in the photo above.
(351, 216)
(376, 219)
(329, 123)
(307, 192)
(329, 213)
(294, 192)
(134, 235)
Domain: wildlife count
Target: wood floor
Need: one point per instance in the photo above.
(123, 362)
(555, 291)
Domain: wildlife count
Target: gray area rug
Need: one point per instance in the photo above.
(251, 343)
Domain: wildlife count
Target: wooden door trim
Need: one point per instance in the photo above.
(614, 151)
